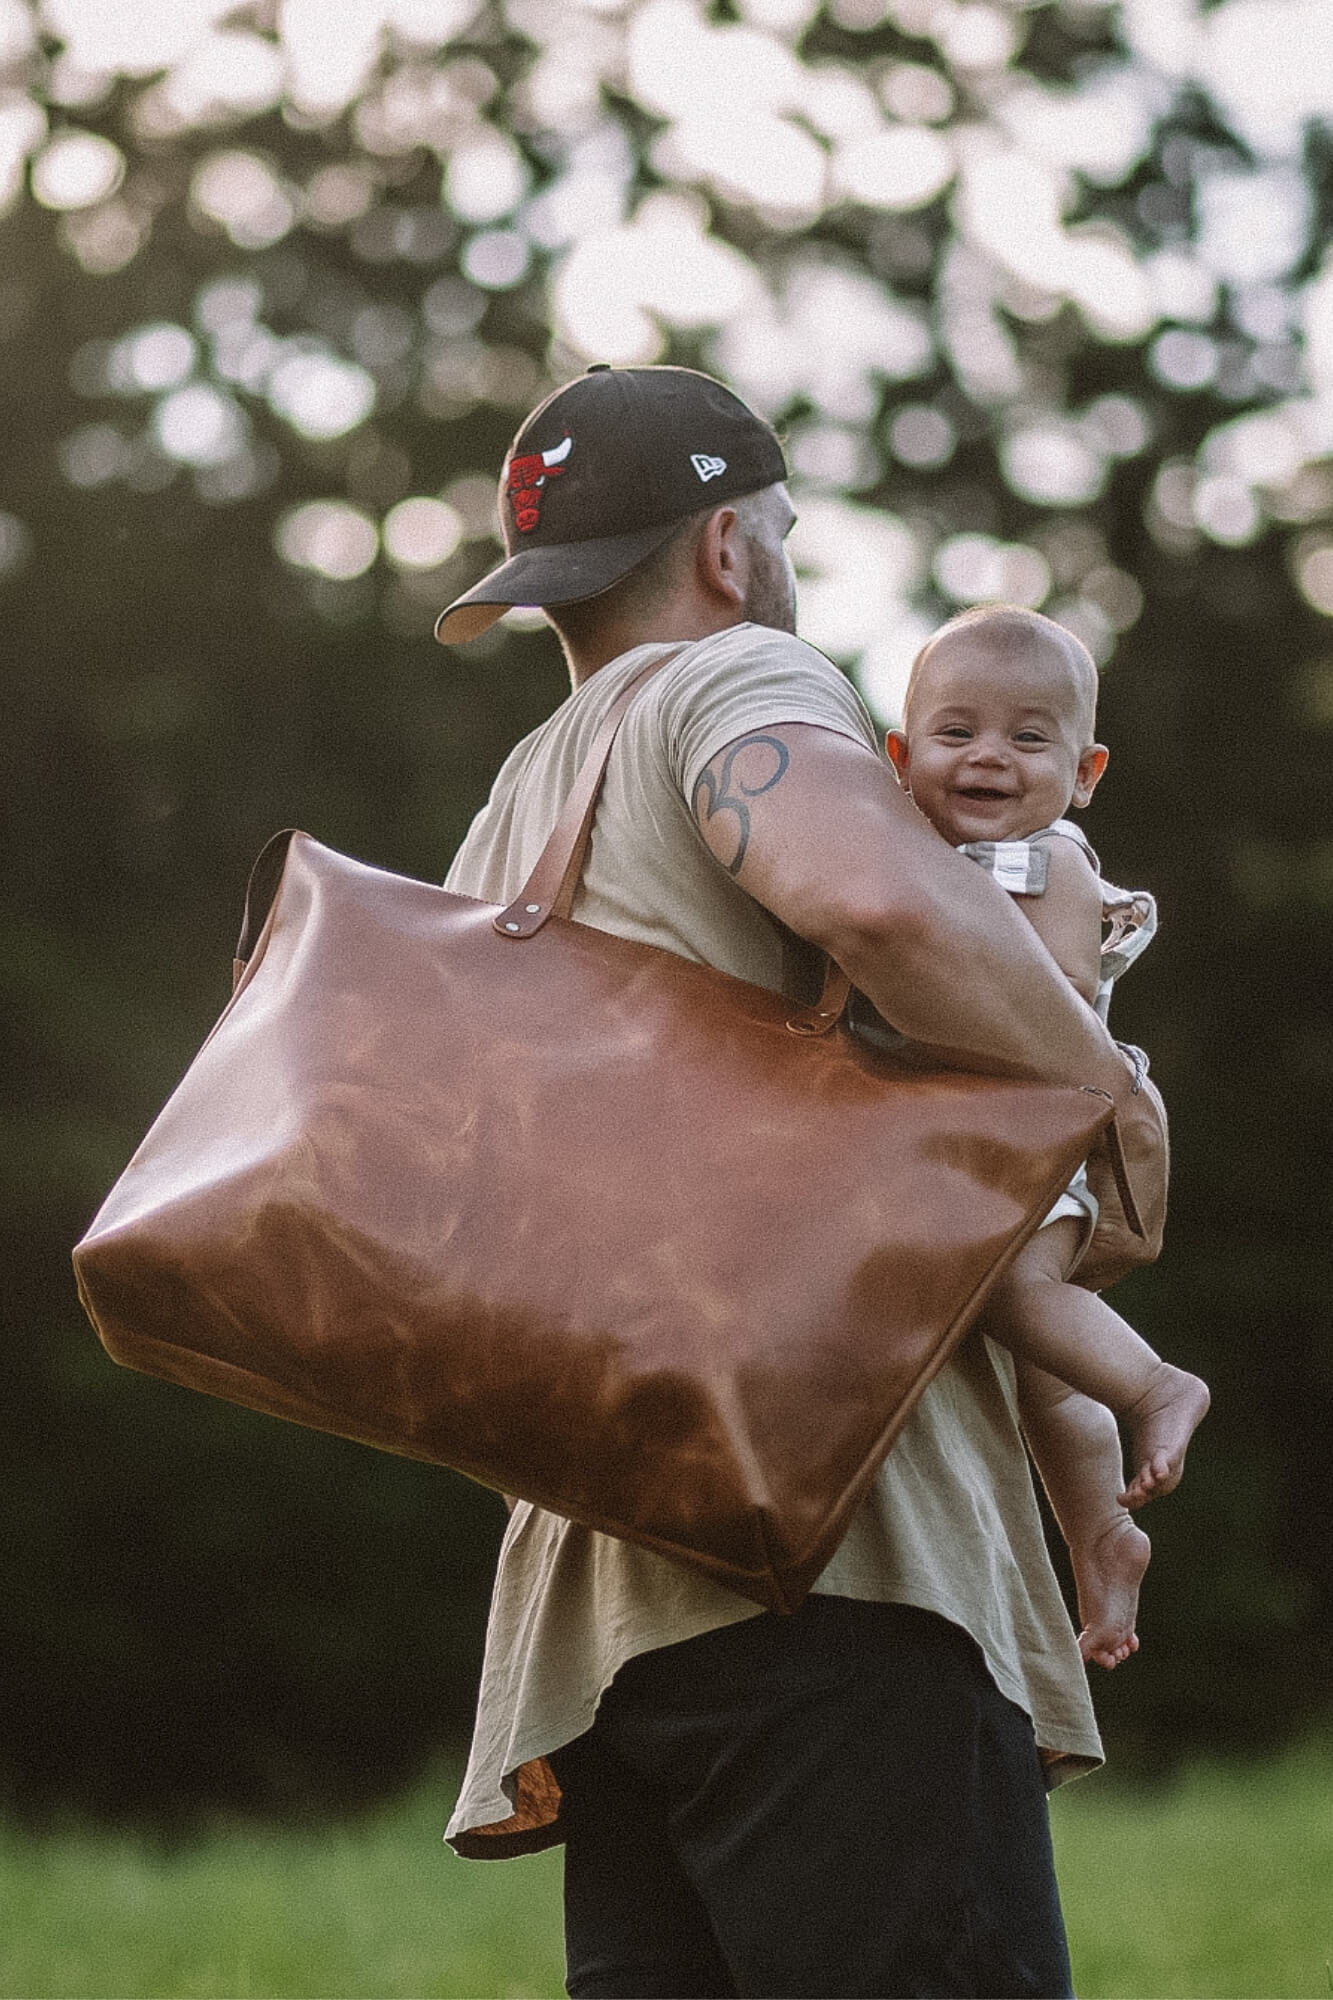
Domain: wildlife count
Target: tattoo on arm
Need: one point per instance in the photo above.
(727, 790)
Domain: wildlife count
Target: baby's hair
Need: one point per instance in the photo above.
(1015, 627)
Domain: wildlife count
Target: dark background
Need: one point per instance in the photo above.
(205, 1608)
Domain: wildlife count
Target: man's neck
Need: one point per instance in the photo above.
(672, 625)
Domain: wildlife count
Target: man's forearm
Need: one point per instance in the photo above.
(952, 964)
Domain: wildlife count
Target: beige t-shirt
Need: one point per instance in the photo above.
(951, 1524)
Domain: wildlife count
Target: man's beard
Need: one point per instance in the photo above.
(771, 598)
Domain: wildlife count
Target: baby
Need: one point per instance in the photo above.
(996, 746)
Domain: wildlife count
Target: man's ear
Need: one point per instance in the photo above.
(1092, 762)
(722, 556)
(896, 745)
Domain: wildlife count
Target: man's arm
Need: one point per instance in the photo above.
(816, 828)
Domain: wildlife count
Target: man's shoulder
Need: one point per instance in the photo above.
(758, 662)
(749, 648)
(747, 677)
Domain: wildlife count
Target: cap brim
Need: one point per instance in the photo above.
(563, 573)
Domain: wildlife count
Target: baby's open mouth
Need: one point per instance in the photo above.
(981, 792)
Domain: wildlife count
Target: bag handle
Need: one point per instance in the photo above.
(549, 889)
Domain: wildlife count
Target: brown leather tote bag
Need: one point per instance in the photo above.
(589, 1222)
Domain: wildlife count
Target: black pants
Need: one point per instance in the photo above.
(833, 1804)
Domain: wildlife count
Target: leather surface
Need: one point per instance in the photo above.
(1116, 1249)
(579, 1218)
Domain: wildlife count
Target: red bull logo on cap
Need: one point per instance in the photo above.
(526, 477)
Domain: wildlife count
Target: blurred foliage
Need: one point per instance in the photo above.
(207, 1608)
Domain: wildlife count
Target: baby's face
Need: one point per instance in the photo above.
(994, 746)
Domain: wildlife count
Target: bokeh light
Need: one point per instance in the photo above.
(915, 93)
(922, 436)
(1226, 510)
(199, 425)
(77, 170)
(94, 455)
(319, 394)
(106, 238)
(329, 537)
(485, 178)
(496, 259)
(421, 533)
(241, 192)
(1053, 464)
(977, 569)
(1184, 360)
(153, 357)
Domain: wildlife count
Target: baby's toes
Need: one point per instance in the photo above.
(1164, 1474)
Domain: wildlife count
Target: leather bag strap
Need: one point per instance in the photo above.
(549, 889)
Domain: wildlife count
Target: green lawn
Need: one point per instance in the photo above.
(372, 1911)
(1222, 1886)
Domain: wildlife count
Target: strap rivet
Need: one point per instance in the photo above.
(512, 927)
(533, 909)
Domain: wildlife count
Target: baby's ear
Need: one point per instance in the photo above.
(1092, 762)
(896, 745)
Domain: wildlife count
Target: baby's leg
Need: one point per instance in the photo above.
(1077, 1449)
(1075, 1335)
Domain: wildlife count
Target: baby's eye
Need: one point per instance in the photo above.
(1030, 736)
(955, 732)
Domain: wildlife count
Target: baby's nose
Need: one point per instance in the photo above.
(988, 750)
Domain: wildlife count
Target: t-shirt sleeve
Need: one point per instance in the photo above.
(749, 678)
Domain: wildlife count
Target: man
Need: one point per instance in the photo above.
(849, 1800)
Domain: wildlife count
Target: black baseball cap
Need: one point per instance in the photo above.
(601, 474)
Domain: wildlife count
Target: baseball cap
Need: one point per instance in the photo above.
(601, 474)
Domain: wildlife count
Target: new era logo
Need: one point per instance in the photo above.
(706, 467)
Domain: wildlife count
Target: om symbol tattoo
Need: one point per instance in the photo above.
(727, 791)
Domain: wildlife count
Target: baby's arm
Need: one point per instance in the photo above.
(1068, 917)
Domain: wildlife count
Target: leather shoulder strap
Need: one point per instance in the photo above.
(549, 889)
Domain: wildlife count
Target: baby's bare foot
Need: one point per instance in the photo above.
(1108, 1571)
(1163, 1421)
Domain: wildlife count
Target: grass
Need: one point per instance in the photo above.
(369, 1911)
(1220, 1886)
